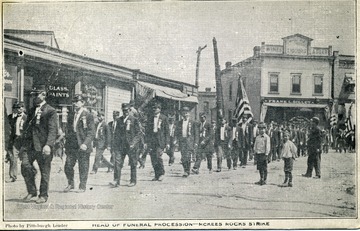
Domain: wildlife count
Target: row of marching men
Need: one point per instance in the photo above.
(133, 134)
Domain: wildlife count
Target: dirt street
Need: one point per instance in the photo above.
(230, 194)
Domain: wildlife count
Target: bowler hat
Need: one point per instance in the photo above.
(261, 125)
(315, 120)
(77, 98)
(18, 104)
(157, 105)
(185, 109)
(125, 106)
(38, 89)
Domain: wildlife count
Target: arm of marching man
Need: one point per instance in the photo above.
(166, 131)
(90, 134)
(52, 127)
(107, 135)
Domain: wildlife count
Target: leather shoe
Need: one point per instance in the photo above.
(316, 177)
(11, 180)
(81, 190)
(29, 197)
(41, 200)
(185, 174)
(304, 175)
(218, 170)
(161, 178)
(259, 182)
(114, 184)
(69, 188)
(284, 185)
(290, 184)
(195, 171)
(155, 179)
(132, 184)
(93, 172)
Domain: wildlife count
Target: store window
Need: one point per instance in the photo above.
(318, 84)
(295, 83)
(206, 107)
(274, 82)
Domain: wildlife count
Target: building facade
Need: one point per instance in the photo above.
(34, 57)
(207, 103)
(286, 81)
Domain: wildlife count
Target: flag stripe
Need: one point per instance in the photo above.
(242, 104)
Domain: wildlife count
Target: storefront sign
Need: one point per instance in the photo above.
(296, 46)
(58, 91)
(8, 80)
(297, 101)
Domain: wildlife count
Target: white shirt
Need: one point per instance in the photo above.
(18, 124)
(126, 118)
(97, 130)
(38, 107)
(244, 128)
(202, 129)
(171, 130)
(234, 133)
(77, 116)
(185, 127)
(255, 131)
(156, 123)
(114, 125)
(222, 133)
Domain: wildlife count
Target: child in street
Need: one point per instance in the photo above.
(262, 149)
(288, 154)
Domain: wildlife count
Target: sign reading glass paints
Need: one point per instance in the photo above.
(58, 91)
(296, 46)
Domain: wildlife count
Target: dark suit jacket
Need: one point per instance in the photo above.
(218, 141)
(126, 134)
(231, 136)
(15, 140)
(85, 131)
(162, 137)
(247, 139)
(37, 135)
(103, 139)
(275, 138)
(192, 137)
(207, 136)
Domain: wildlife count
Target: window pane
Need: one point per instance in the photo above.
(318, 85)
(296, 83)
(274, 83)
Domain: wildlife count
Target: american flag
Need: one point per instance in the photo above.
(334, 116)
(349, 123)
(242, 104)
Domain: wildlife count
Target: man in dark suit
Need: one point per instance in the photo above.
(112, 126)
(126, 137)
(187, 138)
(172, 139)
(101, 142)
(157, 138)
(275, 143)
(234, 144)
(78, 146)
(246, 140)
(16, 120)
(40, 134)
(222, 138)
(206, 144)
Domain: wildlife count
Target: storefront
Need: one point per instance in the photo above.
(281, 110)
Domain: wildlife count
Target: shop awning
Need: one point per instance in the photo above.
(169, 93)
(300, 105)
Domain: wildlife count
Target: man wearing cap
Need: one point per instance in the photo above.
(81, 132)
(157, 138)
(222, 139)
(246, 140)
(206, 146)
(16, 120)
(187, 137)
(234, 144)
(132, 110)
(172, 141)
(126, 137)
(112, 126)
(262, 149)
(40, 133)
(102, 141)
(314, 149)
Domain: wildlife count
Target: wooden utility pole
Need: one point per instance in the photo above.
(219, 93)
(197, 74)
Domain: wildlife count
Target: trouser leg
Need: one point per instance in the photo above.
(70, 162)
(44, 162)
(83, 162)
(28, 171)
(98, 157)
(14, 155)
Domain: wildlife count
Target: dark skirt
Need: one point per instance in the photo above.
(288, 164)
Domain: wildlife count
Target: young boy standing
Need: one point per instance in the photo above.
(288, 154)
(262, 149)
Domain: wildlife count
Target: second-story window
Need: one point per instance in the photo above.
(318, 84)
(296, 83)
(230, 91)
(274, 82)
(206, 107)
